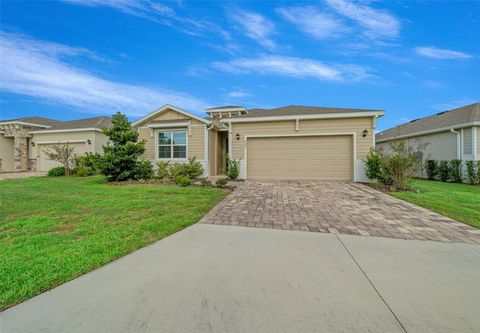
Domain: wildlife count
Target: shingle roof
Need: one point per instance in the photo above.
(465, 114)
(294, 110)
(35, 120)
(96, 122)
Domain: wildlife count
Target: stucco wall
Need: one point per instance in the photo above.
(441, 146)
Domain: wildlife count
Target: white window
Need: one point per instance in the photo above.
(172, 144)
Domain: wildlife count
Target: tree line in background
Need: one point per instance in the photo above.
(121, 160)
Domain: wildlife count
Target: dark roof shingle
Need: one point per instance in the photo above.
(462, 115)
(35, 120)
(95, 122)
(294, 110)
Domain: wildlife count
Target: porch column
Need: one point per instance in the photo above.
(20, 146)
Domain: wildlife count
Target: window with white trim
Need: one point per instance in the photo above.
(172, 144)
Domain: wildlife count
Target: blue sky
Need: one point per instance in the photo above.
(82, 58)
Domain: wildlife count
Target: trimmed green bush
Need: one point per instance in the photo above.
(444, 171)
(206, 182)
(57, 171)
(143, 170)
(88, 160)
(83, 171)
(456, 171)
(477, 163)
(162, 169)
(221, 182)
(431, 169)
(472, 171)
(233, 168)
(182, 181)
(373, 165)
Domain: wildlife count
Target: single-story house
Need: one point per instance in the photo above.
(453, 134)
(24, 141)
(286, 143)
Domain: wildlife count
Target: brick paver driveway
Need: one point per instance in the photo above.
(334, 207)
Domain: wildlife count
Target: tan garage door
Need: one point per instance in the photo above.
(300, 158)
(45, 164)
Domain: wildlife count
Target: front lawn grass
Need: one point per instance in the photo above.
(55, 229)
(460, 202)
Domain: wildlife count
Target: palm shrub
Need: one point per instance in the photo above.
(444, 171)
(431, 169)
(233, 168)
(456, 171)
(121, 157)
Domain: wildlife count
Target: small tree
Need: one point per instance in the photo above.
(431, 169)
(444, 171)
(121, 158)
(233, 168)
(63, 154)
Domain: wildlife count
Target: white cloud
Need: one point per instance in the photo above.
(377, 23)
(146, 9)
(313, 21)
(256, 27)
(38, 69)
(237, 94)
(437, 53)
(294, 67)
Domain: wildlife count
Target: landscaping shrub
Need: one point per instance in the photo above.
(431, 169)
(444, 171)
(163, 169)
(143, 170)
(394, 169)
(182, 181)
(477, 163)
(233, 168)
(456, 171)
(88, 160)
(63, 154)
(373, 166)
(472, 171)
(83, 171)
(192, 169)
(57, 171)
(206, 182)
(221, 182)
(121, 158)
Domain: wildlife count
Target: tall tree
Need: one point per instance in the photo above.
(121, 157)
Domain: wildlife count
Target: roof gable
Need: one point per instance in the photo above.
(167, 108)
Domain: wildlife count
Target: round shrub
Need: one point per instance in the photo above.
(57, 171)
(182, 181)
(83, 171)
(221, 182)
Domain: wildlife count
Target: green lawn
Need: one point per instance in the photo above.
(55, 229)
(460, 202)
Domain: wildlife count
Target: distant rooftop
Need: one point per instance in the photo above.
(297, 110)
(462, 115)
(94, 122)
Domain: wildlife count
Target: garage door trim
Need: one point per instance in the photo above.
(353, 134)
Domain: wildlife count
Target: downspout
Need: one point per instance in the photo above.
(458, 143)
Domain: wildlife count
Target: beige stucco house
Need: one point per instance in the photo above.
(287, 143)
(453, 134)
(24, 141)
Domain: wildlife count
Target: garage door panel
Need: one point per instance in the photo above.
(46, 164)
(309, 157)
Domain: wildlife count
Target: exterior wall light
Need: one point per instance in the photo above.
(33, 144)
(237, 136)
(89, 141)
(365, 132)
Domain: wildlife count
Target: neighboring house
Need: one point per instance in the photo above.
(287, 143)
(453, 134)
(23, 141)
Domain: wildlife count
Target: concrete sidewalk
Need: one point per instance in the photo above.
(211, 278)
